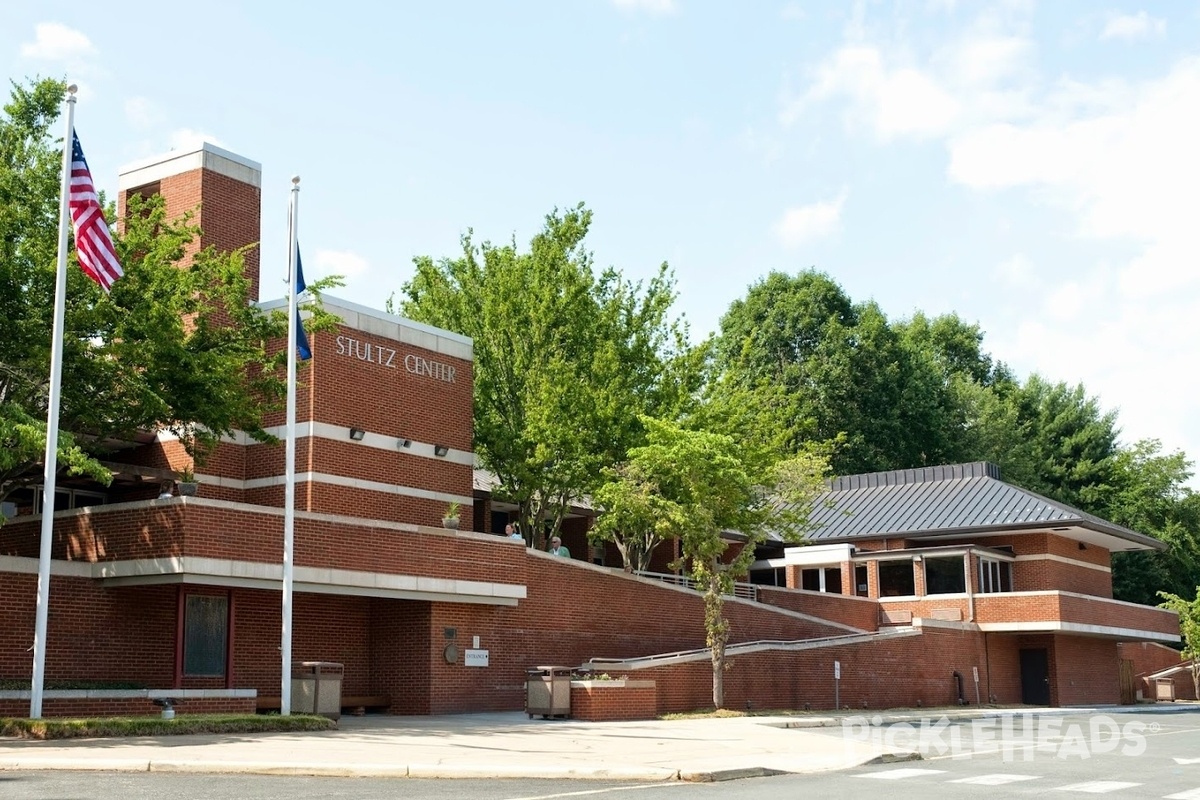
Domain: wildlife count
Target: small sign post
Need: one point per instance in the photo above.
(975, 672)
(837, 677)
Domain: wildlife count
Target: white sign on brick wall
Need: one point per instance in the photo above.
(475, 658)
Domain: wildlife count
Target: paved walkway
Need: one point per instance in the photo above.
(494, 745)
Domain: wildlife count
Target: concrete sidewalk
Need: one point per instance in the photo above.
(507, 745)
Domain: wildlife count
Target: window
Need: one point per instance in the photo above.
(775, 576)
(65, 499)
(896, 578)
(822, 579)
(995, 576)
(205, 634)
(945, 575)
(861, 586)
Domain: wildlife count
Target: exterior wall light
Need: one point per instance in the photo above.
(440, 450)
(404, 442)
(357, 434)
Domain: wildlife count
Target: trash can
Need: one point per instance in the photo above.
(1164, 690)
(548, 691)
(317, 688)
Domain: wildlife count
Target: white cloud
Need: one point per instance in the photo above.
(188, 139)
(1131, 27)
(56, 42)
(647, 6)
(1117, 158)
(805, 223)
(892, 102)
(341, 262)
(1126, 170)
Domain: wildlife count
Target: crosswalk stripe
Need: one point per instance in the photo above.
(997, 779)
(1190, 794)
(1097, 787)
(897, 774)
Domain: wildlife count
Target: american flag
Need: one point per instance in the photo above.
(97, 257)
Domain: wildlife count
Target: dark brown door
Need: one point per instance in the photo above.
(1128, 686)
(1035, 677)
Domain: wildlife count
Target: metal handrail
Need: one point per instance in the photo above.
(732, 649)
(746, 591)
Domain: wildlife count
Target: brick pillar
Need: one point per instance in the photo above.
(224, 190)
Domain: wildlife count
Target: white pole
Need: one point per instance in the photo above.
(289, 490)
(51, 460)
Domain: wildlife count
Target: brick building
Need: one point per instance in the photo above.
(182, 595)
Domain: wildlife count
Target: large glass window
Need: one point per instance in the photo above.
(822, 579)
(896, 578)
(945, 575)
(205, 634)
(994, 576)
(861, 587)
(65, 499)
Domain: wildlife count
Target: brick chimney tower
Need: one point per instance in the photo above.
(222, 188)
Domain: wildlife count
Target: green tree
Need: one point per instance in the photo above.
(174, 348)
(832, 370)
(1149, 493)
(1189, 629)
(1049, 438)
(565, 360)
(695, 486)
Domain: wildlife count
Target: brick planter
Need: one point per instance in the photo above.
(608, 701)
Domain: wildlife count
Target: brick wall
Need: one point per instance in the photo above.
(92, 632)
(187, 528)
(882, 673)
(1084, 671)
(1148, 657)
(857, 612)
(607, 701)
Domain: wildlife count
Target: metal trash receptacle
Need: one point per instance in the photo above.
(1164, 690)
(317, 688)
(548, 691)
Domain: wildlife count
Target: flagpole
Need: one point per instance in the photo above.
(51, 460)
(289, 491)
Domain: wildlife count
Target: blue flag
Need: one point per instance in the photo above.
(302, 348)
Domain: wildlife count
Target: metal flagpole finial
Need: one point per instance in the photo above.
(71, 90)
(295, 180)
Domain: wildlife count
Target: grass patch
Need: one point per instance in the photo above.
(100, 727)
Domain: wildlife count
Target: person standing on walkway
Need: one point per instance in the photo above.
(557, 549)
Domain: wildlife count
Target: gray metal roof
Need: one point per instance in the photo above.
(958, 499)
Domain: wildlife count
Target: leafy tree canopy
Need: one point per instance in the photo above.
(694, 486)
(566, 359)
(175, 346)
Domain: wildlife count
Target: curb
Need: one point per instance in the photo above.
(729, 774)
(331, 770)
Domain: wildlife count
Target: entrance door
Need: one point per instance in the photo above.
(1035, 677)
(1128, 685)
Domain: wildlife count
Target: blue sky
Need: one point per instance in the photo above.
(1030, 166)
